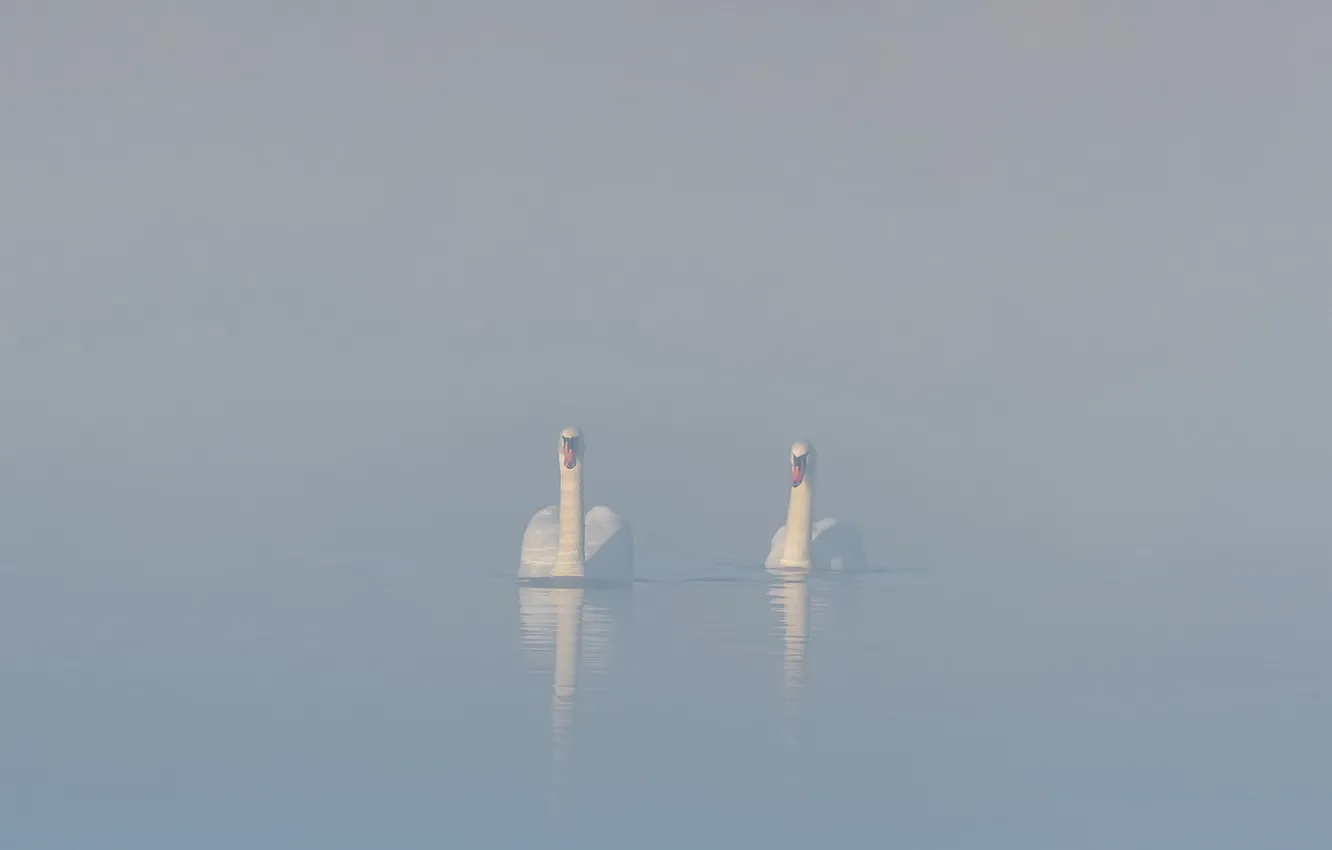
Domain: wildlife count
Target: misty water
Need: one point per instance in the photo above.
(708, 705)
(297, 297)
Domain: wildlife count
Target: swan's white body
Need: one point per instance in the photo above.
(803, 544)
(608, 547)
(564, 543)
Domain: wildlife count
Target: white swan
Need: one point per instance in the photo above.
(802, 544)
(560, 542)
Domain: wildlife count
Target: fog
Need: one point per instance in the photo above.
(1046, 284)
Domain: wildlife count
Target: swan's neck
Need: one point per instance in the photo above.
(569, 555)
(799, 519)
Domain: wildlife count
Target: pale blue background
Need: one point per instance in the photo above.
(294, 302)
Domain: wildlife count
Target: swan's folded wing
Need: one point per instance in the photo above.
(540, 542)
(608, 545)
(822, 526)
(837, 545)
(773, 560)
(600, 524)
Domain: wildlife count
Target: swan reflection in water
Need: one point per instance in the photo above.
(804, 605)
(788, 596)
(568, 631)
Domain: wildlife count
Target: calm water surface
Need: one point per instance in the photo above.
(707, 706)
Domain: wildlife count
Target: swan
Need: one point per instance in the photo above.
(562, 543)
(802, 544)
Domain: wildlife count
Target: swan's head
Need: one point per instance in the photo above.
(802, 462)
(571, 448)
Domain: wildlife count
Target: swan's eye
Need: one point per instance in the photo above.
(798, 469)
(570, 450)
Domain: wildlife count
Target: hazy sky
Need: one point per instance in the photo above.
(1046, 283)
